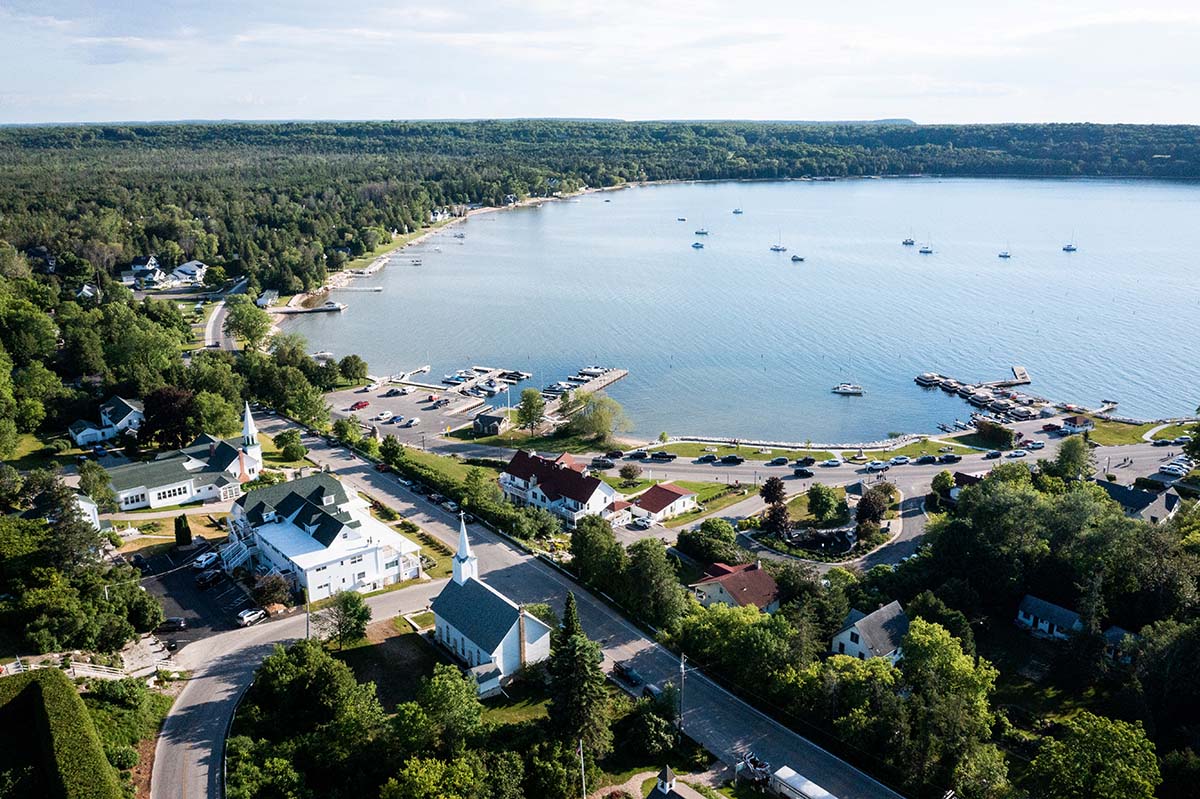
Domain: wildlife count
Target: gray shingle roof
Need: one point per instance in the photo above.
(1059, 616)
(117, 408)
(882, 630)
(168, 467)
(1142, 504)
(478, 611)
(313, 489)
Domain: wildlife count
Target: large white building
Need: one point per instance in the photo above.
(207, 469)
(190, 272)
(561, 486)
(486, 630)
(319, 536)
(116, 416)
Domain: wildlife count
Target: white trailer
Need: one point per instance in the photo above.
(786, 782)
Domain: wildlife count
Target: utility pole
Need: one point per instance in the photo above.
(582, 771)
(307, 616)
(682, 674)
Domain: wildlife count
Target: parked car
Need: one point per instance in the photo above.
(900, 460)
(1181, 440)
(140, 563)
(1173, 469)
(1051, 428)
(1162, 442)
(627, 674)
(807, 460)
(205, 561)
(382, 467)
(733, 460)
(171, 625)
(1018, 453)
(639, 454)
(662, 455)
(878, 466)
(99, 451)
(413, 421)
(992, 454)
(651, 691)
(358, 406)
(781, 461)
(832, 462)
(802, 472)
(450, 505)
(1036, 445)
(924, 459)
(602, 463)
(615, 455)
(707, 457)
(950, 457)
(207, 579)
(643, 523)
(384, 416)
(469, 518)
(251, 616)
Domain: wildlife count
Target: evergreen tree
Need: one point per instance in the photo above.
(578, 699)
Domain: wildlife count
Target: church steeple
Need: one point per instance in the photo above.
(249, 430)
(465, 564)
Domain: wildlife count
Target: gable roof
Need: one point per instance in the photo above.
(660, 496)
(748, 584)
(557, 478)
(312, 489)
(1078, 421)
(881, 630)
(117, 409)
(1059, 616)
(1137, 502)
(480, 612)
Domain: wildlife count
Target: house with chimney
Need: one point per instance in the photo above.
(561, 485)
(664, 501)
(116, 416)
(207, 469)
(878, 634)
(745, 584)
(490, 634)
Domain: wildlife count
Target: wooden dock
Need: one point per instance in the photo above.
(595, 384)
(1020, 378)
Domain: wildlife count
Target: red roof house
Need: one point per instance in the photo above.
(748, 584)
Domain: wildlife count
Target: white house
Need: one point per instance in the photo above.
(320, 537)
(485, 629)
(1149, 506)
(870, 635)
(1077, 424)
(746, 584)
(87, 292)
(561, 486)
(664, 501)
(207, 469)
(1045, 618)
(88, 510)
(267, 298)
(190, 272)
(116, 416)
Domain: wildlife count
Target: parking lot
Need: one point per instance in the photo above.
(404, 408)
(172, 579)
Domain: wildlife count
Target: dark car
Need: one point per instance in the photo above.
(382, 467)
(139, 562)
(806, 461)
(733, 460)
(207, 579)
(468, 518)
(615, 455)
(602, 463)
(992, 454)
(627, 674)
(781, 461)
(170, 644)
(660, 455)
(172, 624)
(926, 459)
(638, 454)
(950, 457)
(707, 457)
(1161, 442)
(99, 451)
(802, 472)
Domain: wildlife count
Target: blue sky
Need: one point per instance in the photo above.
(650, 59)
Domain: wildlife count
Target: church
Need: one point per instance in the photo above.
(490, 633)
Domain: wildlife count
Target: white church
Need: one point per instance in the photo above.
(489, 632)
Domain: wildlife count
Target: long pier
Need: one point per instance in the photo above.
(595, 384)
(1020, 378)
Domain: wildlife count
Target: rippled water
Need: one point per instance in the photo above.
(736, 340)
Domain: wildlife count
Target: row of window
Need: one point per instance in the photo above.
(171, 493)
(134, 499)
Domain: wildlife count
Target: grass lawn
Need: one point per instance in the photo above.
(1109, 433)
(32, 453)
(914, 450)
(616, 482)
(395, 658)
(148, 546)
(521, 439)
(525, 701)
(452, 468)
(274, 456)
(423, 620)
(693, 450)
(1176, 430)
(712, 497)
(798, 505)
(363, 261)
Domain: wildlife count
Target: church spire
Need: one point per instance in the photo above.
(249, 430)
(465, 564)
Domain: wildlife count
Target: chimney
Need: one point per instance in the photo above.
(521, 632)
(758, 564)
(212, 448)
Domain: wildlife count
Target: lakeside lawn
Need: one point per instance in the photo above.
(449, 467)
(693, 450)
(913, 450)
(1110, 434)
(521, 439)
(798, 506)
(712, 496)
(363, 261)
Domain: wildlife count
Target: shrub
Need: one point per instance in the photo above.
(58, 446)
(130, 692)
(294, 452)
(122, 757)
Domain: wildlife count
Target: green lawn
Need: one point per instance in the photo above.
(914, 450)
(363, 261)
(395, 658)
(712, 496)
(452, 468)
(32, 453)
(274, 456)
(1109, 433)
(798, 505)
(524, 702)
(616, 482)
(1176, 430)
(521, 439)
(693, 450)
(423, 620)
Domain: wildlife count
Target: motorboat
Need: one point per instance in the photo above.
(1005, 254)
(928, 379)
(737, 211)
(681, 219)
(909, 242)
(702, 231)
(697, 245)
(926, 249)
(1070, 248)
(796, 259)
(848, 389)
(950, 386)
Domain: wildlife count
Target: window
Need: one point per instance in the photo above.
(361, 576)
(391, 564)
(841, 647)
(356, 559)
(319, 568)
(854, 638)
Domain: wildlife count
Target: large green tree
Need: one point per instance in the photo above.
(578, 707)
(1096, 758)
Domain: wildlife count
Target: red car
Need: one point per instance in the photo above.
(1051, 428)
(358, 406)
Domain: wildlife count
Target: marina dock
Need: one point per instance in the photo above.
(1020, 378)
(328, 307)
(597, 378)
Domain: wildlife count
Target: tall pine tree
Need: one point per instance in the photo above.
(578, 699)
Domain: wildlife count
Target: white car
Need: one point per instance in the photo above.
(1018, 453)
(643, 523)
(450, 505)
(205, 561)
(832, 462)
(1182, 440)
(251, 616)
(1174, 470)
(1036, 444)
(878, 466)
(384, 416)
(899, 460)
(412, 422)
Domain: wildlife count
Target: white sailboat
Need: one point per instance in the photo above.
(778, 245)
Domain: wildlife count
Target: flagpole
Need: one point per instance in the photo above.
(582, 771)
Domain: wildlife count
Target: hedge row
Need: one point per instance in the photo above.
(72, 755)
(502, 516)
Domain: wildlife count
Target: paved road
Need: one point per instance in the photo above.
(188, 757)
(214, 328)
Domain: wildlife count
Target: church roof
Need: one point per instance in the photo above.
(478, 611)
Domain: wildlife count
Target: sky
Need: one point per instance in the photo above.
(926, 60)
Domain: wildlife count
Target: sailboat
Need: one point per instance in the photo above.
(1070, 246)
(1005, 253)
(778, 246)
(926, 249)
(910, 241)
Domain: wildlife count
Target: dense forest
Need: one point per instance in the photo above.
(283, 203)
